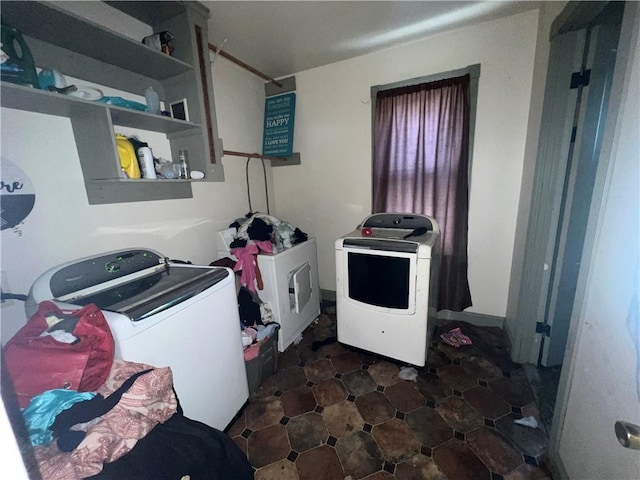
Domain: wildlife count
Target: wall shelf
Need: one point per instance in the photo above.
(40, 101)
(56, 26)
(77, 47)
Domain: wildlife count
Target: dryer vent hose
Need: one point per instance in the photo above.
(266, 188)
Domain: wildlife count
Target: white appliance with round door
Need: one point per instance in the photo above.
(164, 314)
(386, 284)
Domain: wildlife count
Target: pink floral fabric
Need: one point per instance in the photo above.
(149, 401)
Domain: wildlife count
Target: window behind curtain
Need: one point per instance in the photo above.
(421, 165)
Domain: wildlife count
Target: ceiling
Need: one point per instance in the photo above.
(281, 38)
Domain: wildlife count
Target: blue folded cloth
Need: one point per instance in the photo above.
(123, 102)
(43, 409)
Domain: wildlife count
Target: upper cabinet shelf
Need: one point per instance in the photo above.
(39, 101)
(47, 22)
(86, 51)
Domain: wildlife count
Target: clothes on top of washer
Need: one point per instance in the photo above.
(261, 227)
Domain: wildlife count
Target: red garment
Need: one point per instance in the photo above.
(251, 352)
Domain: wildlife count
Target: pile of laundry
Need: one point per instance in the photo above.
(260, 227)
(254, 337)
(255, 234)
(131, 427)
(260, 233)
(257, 322)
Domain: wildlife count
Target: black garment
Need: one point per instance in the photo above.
(249, 308)
(86, 411)
(259, 230)
(223, 262)
(319, 343)
(299, 236)
(238, 243)
(179, 447)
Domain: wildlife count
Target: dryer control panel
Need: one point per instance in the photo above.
(402, 221)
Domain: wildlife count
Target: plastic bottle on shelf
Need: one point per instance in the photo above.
(153, 100)
(183, 158)
(146, 162)
(165, 169)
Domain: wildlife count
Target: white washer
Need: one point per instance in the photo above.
(386, 285)
(164, 314)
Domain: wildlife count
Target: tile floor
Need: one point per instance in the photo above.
(338, 413)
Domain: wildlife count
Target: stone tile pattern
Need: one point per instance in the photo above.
(334, 412)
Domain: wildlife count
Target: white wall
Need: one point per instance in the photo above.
(330, 192)
(63, 226)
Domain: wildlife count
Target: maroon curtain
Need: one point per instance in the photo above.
(421, 165)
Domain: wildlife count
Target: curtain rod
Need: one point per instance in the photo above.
(228, 56)
(253, 155)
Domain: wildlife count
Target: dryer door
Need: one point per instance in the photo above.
(300, 287)
(383, 281)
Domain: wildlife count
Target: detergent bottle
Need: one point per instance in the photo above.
(128, 159)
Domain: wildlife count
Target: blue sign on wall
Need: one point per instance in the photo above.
(279, 114)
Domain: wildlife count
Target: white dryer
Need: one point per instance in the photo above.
(164, 314)
(386, 285)
(292, 289)
(290, 285)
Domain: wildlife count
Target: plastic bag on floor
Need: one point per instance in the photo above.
(530, 422)
(408, 373)
(455, 338)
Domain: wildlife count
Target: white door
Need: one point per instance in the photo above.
(602, 366)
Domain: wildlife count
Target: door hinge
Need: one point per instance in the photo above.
(580, 79)
(544, 328)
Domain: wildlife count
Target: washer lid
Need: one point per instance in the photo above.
(148, 295)
(135, 282)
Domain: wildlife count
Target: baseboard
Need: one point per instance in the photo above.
(509, 335)
(328, 295)
(477, 319)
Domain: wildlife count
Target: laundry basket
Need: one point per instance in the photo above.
(265, 364)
